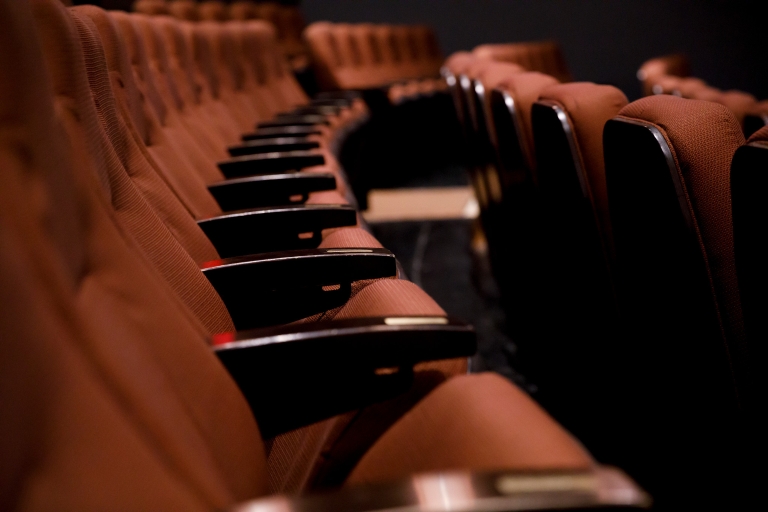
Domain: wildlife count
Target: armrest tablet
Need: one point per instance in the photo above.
(314, 371)
(294, 120)
(269, 190)
(281, 287)
(270, 163)
(330, 102)
(599, 488)
(270, 229)
(273, 145)
(281, 131)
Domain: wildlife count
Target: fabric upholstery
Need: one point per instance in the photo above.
(544, 57)
(100, 317)
(453, 425)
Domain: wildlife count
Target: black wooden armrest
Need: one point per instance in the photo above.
(315, 110)
(317, 370)
(272, 145)
(294, 120)
(281, 131)
(599, 488)
(269, 189)
(333, 102)
(274, 228)
(270, 163)
(349, 95)
(281, 287)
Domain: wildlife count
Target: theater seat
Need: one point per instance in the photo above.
(542, 56)
(567, 122)
(667, 164)
(516, 221)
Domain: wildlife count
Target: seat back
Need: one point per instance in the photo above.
(184, 10)
(542, 56)
(515, 225)
(667, 164)
(748, 181)
(100, 381)
(567, 123)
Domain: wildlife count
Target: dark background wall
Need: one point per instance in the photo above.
(603, 40)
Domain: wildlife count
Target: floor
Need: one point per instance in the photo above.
(433, 232)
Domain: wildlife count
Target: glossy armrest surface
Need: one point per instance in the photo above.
(315, 110)
(294, 120)
(271, 145)
(599, 488)
(270, 163)
(274, 228)
(282, 287)
(282, 131)
(269, 190)
(321, 369)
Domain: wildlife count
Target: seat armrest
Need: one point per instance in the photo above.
(347, 95)
(272, 145)
(294, 120)
(333, 102)
(282, 131)
(282, 287)
(315, 110)
(274, 228)
(598, 488)
(269, 189)
(270, 163)
(317, 370)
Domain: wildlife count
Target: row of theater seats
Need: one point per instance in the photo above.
(286, 19)
(670, 74)
(611, 232)
(137, 251)
(366, 56)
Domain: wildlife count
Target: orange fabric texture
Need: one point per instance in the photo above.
(544, 57)
(101, 317)
(477, 418)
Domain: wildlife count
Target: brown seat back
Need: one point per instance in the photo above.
(542, 56)
(567, 123)
(212, 10)
(667, 164)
